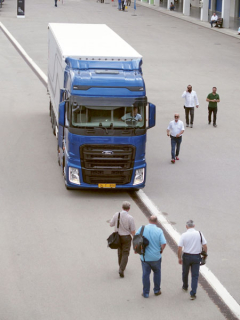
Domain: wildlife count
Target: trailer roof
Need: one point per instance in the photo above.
(91, 41)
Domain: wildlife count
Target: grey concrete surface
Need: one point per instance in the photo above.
(46, 271)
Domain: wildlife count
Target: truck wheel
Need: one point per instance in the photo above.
(58, 157)
(54, 126)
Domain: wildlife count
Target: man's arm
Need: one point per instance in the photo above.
(184, 94)
(168, 132)
(204, 247)
(163, 247)
(178, 135)
(180, 255)
(196, 99)
(112, 222)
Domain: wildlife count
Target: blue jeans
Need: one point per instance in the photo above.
(191, 261)
(175, 143)
(147, 267)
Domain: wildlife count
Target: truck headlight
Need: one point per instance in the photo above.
(74, 175)
(139, 176)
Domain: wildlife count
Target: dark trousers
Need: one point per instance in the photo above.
(214, 111)
(191, 110)
(123, 251)
(175, 144)
(55, 3)
(147, 267)
(191, 261)
(123, 6)
(102, 1)
(213, 21)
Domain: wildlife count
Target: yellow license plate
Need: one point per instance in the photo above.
(107, 185)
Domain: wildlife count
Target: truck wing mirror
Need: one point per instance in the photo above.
(61, 114)
(151, 115)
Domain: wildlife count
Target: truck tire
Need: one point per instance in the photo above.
(54, 125)
(58, 156)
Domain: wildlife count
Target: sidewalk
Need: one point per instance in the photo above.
(178, 15)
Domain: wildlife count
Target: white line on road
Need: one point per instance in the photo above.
(206, 273)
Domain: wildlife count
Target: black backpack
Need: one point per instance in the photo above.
(140, 243)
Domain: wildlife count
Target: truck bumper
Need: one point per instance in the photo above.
(84, 185)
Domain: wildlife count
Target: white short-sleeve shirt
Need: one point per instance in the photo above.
(191, 99)
(191, 241)
(175, 127)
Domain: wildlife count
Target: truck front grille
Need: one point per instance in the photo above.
(107, 163)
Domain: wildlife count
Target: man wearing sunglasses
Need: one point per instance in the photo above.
(175, 130)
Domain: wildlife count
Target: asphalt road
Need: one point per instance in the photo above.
(48, 271)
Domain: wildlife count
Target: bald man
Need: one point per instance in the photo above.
(151, 261)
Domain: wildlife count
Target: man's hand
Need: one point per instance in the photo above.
(180, 261)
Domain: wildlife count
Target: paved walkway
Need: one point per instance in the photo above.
(193, 19)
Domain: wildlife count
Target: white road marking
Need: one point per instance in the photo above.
(206, 272)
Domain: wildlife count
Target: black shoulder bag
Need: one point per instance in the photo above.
(203, 254)
(113, 240)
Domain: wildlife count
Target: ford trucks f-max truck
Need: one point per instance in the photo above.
(98, 107)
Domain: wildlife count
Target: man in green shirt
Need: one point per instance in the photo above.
(212, 99)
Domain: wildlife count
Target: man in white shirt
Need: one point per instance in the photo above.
(213, 19)
(191, 100)
(191, 244)
(175, 130)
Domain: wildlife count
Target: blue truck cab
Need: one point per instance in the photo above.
(102, 118)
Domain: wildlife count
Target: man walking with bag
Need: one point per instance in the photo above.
(151, 260)
(191, 244)
(125, 230)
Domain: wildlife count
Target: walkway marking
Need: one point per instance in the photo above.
(25, 56)
(222, 292)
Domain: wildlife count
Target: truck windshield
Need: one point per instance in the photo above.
(108, 116)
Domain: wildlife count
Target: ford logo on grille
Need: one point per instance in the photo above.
(107, 153)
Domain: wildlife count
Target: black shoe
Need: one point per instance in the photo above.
(215, 126)
(158, 293)
(193, 297)
(209, 122)
(191, 125)
(184, 289)
(121, 274)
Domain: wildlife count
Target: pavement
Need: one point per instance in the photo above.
(55, 263)
(179, 15)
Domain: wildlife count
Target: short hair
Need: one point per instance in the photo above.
(190, 223)
(190, 85)
(214, 87)
(126, 205)
(153, 219)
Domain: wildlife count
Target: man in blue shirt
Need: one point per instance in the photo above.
(152, 258)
